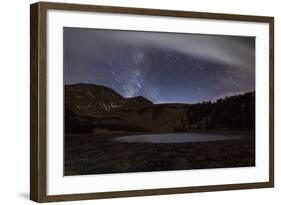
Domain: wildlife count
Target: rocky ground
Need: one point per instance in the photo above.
(100, 154)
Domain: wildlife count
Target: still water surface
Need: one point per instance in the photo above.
(176, 138)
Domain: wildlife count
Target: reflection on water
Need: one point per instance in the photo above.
(175, 138)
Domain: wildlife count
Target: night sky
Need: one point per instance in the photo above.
(162, 67)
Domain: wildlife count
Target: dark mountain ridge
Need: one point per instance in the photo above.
(95, 108)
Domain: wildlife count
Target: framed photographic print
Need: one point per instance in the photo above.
(134, 102)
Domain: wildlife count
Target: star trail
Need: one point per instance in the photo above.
(162, 67)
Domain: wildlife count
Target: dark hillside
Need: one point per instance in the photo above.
(93, 108)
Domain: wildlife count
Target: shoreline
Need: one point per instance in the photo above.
(123, 134)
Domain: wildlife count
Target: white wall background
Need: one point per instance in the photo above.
(14, 101)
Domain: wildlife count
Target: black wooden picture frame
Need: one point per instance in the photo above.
(38, 100)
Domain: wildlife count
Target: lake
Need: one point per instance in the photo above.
(176, 138)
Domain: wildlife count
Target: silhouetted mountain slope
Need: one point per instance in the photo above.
(95, 100)
(94, 108)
